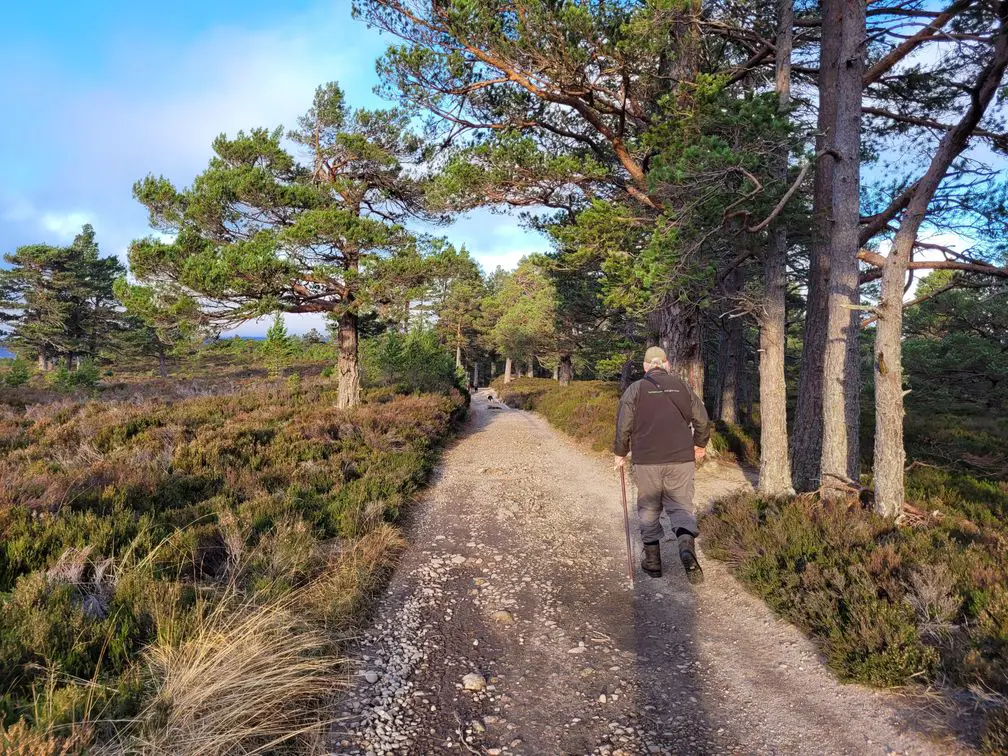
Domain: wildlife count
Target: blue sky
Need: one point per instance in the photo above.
(97, 95)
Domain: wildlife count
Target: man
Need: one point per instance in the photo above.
(666, 426)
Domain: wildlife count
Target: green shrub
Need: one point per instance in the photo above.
(888, 605)
(412, 362)
(18, 374)
(67, 381)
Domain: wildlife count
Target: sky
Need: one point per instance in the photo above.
(98, 95)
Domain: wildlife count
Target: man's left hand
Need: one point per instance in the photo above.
(699, 453)
(620, 462)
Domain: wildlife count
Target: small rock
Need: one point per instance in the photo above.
(503, 616)
(371, 676)
(474, 682)
(602, 698)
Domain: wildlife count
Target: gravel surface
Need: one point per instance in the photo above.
(511, 627)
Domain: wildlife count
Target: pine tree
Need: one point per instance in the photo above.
(260, 232)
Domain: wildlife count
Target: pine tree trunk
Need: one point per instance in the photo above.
(556, 371)
(349, 368)
(507, 370)
(493, 369)
(43, 364)
(476, 374)
(162, 364)
(808, 424)
(565, 370)
(890, 454)
(775, 469)
(626, 375)
(531, 367)
(677, 326)
(458, 345)
(730, 355)
(846, 20)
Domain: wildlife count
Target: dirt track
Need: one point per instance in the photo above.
(516, 573)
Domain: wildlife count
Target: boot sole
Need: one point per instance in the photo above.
(693, 572)
(652, 573)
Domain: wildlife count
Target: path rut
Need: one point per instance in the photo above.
(517, 573)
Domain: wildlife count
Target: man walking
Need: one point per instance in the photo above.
(666, 426)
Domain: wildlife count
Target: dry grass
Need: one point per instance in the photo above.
(247, 681)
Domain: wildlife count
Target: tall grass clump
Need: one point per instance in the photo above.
(249, 679)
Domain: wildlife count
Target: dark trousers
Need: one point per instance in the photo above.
(668, 487)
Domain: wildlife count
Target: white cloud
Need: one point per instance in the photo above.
(64, 225)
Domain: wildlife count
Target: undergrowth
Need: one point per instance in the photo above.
(888, 604)
(178, 564)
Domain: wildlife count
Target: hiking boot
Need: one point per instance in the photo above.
(651, 563)
(687, 553)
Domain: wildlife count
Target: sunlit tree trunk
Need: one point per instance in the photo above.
(348, 394)
(846, 20)
(565, 370)
(507, 370)
(775, 470)
(677, 326)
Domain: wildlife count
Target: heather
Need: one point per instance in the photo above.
(163, 537)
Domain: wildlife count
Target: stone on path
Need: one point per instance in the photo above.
(474, 682)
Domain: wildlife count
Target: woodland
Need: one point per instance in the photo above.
(804, 204)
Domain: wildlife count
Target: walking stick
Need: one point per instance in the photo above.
(626, 527)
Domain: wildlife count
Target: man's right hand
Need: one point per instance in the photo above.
(620, 462)
(699, 453)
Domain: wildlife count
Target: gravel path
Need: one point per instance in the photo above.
(510, 627)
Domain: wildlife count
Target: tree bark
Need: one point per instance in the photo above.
(476, 374)
(730, 369)
(162, 364)
(349, 368)
(556, 371)
(565, 370)
(677, 325)
(775, 470)
(458, 345)
(890, 455)
(808, 426)
(626, 374)
(507, 370)
(531, 367)
(844, 19)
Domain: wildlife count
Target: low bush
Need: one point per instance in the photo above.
(888, 604)
(17, 374)
(137, 528)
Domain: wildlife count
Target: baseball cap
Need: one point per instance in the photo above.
(655, 356)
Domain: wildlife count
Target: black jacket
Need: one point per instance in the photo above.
(661, 420)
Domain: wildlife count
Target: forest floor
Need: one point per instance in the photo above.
(516, 576)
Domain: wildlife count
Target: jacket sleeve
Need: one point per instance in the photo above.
(701, 422)
(625, 419)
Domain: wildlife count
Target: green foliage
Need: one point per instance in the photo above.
(60, 300)
(277, 348)
(85, 377)
(954, 350)
(522, 311)
(412, 362)
(18, 374)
